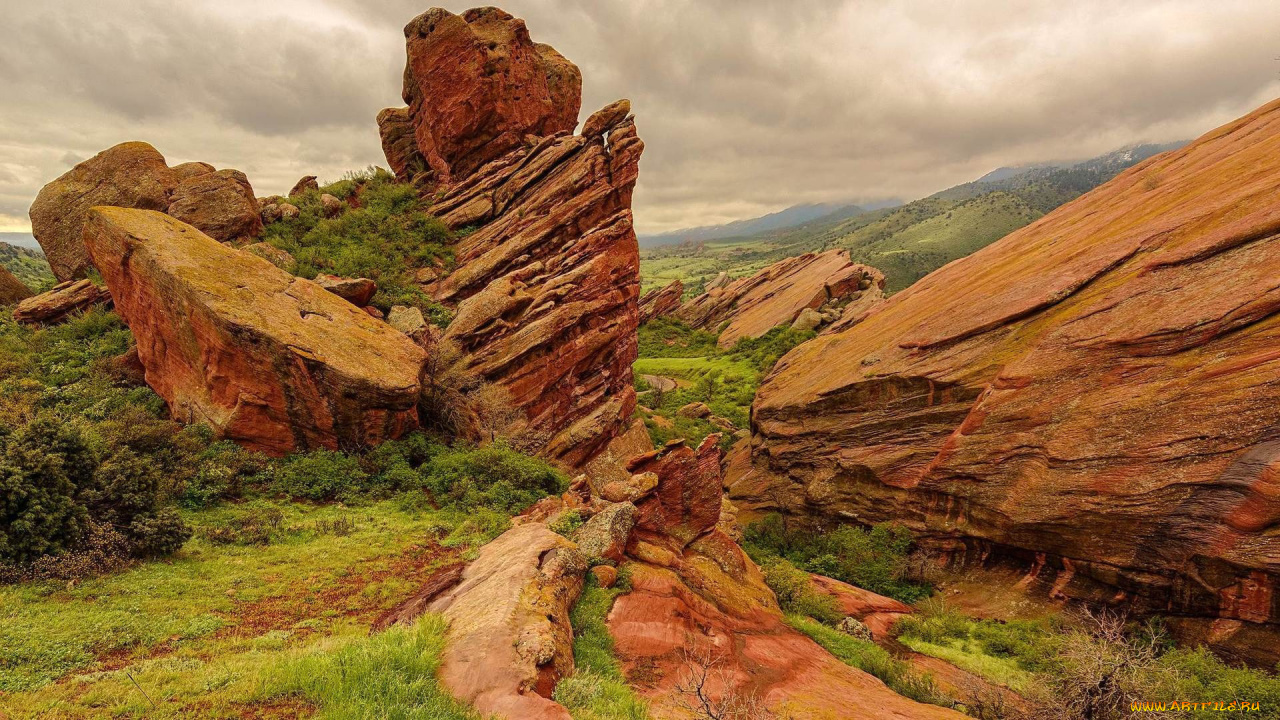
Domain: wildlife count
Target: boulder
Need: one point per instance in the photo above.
(62, 301)
(661, 302)
(188, 170)
(357, 291)
(274, 255)
(11, 288)
(219, 204)
(1093, 397)
(288, 211)
(605, 535)
(509, 639)
(606, 575)
(464, 110)
(778, 294)
(407, 320)
(694, 410)
(270, 213)
(686, 502)
(269, 360)
(132, 175)
(606, 117)
(331, 206)
(308, 182)
(808, 319)
(631, 489)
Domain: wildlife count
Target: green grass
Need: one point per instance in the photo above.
(597, 690)
(389, 675)
(872, 659)
(197, 630)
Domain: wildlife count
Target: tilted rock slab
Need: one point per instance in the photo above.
(752, 306)
(1097, 394)
(60, 302)
(274, 362)
(509, 640)
(661, 302)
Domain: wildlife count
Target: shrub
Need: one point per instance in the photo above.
(43, 468)
(494, 476)
(321, 475)
(796, 594)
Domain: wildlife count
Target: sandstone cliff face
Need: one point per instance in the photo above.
(1097, 393)
(777, 295)
(134, 175)
(545, 289)
(274, 362)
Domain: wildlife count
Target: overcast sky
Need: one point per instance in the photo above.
(745, 106)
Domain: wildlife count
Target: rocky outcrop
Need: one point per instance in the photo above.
(274, 362)
(307, 182)
(219, 204)
(11, 288)
(61, 302)
(827, 282)
(509, 639)
(545, 289)
(477, 86)
(400, 147)
(661, 302)
(698, 603)
(357, 291)
(1097, 395)
(132, 175)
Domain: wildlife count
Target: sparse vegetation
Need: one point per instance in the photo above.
(384, 236)
(597, 690)
(871, 658)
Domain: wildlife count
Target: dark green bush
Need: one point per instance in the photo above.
(494, 476)
(796, 593)
(43, 468)
(874, 559)
(321, 475)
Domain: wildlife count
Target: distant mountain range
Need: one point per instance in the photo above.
(906, 241)
(790, 217)
(26, 240)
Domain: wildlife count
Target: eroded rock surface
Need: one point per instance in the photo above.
(274, 362)
(545, 289)
(778, 294)
(1097, 394)
(132, 175)
(509, 638)
(661, 302)
(219, 204)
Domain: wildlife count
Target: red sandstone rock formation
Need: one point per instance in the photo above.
(776, 295)
(545, 289)
(274, 362)
(1097, 394)
(477, 86)
(661, 302)
(134, 175)
(61, 302)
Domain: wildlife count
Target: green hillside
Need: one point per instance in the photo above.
(906, 242)
(28, 265)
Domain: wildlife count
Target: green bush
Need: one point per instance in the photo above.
(42, 471)
(321, 475)
(494, 476)
(874, 559)
(796, 594)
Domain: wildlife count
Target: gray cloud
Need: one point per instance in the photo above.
(745, 107)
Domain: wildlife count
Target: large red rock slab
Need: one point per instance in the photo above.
(1097, 393)
(477, 85)
(395, 128)
(509, 639)
(219, 204)
(661, 302)
(778, 294)
(686, 502)
(274, 362)
(60, 303)
(132, 175)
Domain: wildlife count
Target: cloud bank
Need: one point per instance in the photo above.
(745, 106)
